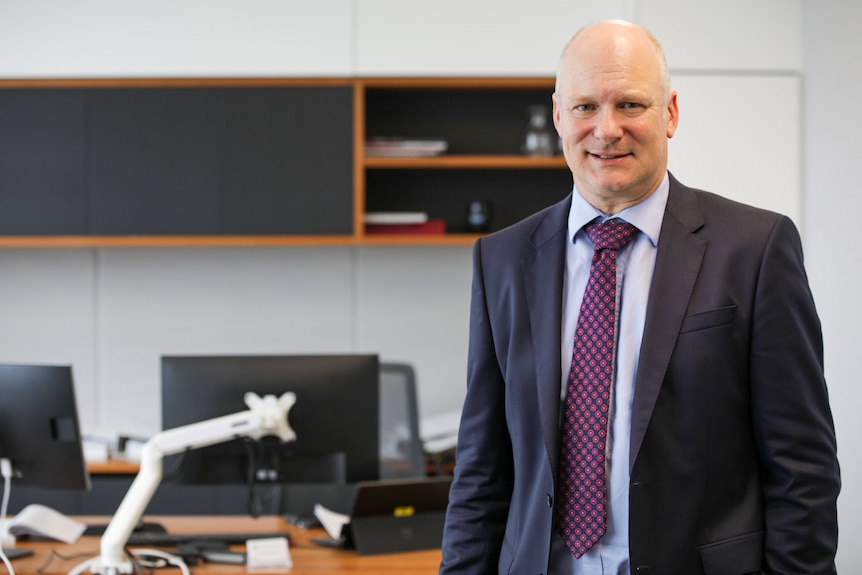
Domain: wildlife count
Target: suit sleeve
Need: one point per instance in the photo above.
(481, 490)
(792, 419)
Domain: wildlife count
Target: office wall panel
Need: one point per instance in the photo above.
(103, 38)
(155, 302)
(740, 136)
(47, 306)
(833, 82)
(727, 35)
(412, 305)
(480, 37)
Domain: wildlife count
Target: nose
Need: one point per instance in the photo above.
(608, 127)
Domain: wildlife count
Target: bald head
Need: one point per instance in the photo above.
(615, 34)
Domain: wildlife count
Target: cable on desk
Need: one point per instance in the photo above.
(252, 502)
(6, 471)
(136, 564)
(168, 558)
(6, 562)
(41, 568)
(81, 567)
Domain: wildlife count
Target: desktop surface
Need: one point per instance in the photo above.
(308, 557)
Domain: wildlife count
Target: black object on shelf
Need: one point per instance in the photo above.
(479, 216)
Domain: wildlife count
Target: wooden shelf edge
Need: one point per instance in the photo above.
(447, 82)
(513, 161)
(140, 241)
(168, 82)
(419, 240)
(113, 467)
(150, 241)
(387, 82)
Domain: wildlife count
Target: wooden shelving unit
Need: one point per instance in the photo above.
(482, 119)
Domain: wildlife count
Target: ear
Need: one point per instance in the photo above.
(672, 115)
(556, 115)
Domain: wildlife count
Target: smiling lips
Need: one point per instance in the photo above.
(608, 156)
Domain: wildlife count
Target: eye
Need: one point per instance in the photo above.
(583, 109)
(631, 105)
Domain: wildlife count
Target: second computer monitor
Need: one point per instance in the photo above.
(39, 431)
(336, 416)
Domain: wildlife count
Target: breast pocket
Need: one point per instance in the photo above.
(708, 319)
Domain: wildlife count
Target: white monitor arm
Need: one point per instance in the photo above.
(265, 416)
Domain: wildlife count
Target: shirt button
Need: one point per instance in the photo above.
(550, 500)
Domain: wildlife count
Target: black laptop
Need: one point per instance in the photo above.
(397, 515)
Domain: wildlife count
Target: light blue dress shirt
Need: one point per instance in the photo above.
(635, 264)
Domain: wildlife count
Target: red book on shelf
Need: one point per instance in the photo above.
(432, 226)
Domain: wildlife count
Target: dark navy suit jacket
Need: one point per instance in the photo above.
(733, 456)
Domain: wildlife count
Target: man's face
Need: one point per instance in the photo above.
(613, 116)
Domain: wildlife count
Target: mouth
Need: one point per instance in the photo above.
(608, 156)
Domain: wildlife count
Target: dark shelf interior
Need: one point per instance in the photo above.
(471, 120)
(512, 194)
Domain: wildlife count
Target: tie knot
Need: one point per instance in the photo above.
(613, 234)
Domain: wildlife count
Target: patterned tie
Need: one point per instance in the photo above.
(581, 493)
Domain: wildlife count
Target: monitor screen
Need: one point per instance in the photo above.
(335, 417)
(39, 430)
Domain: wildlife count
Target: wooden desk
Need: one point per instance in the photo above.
(113, 467)
(308, 558)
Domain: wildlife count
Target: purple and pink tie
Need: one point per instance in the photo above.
(581, 511)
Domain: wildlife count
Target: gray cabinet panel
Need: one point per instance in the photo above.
(287, 161)
(42, 162)
(168, 160)
(152, 161)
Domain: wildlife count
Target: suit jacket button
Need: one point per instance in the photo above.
(643, 570)
(550, 500)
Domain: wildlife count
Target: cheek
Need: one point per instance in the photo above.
(573, 131)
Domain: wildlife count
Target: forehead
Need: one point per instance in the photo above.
(609, 64)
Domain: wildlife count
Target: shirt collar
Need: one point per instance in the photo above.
(646, 215)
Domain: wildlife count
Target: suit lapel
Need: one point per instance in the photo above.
(542, 274)
(678, 261)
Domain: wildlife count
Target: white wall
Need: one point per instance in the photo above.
(767, 96)
(168, 38)
(833, 201)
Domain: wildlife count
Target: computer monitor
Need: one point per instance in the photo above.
(335, 417)
(39, 432)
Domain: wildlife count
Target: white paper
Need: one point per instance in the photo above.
(41, 521)
(268, 552)
(333, 522)
(440, 432)
(396, 218)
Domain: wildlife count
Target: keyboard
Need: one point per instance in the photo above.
(158, 539)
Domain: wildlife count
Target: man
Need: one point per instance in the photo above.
(713, 445)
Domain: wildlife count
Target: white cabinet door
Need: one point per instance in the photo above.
(727, 34)
(469, 37)
(739, 136)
